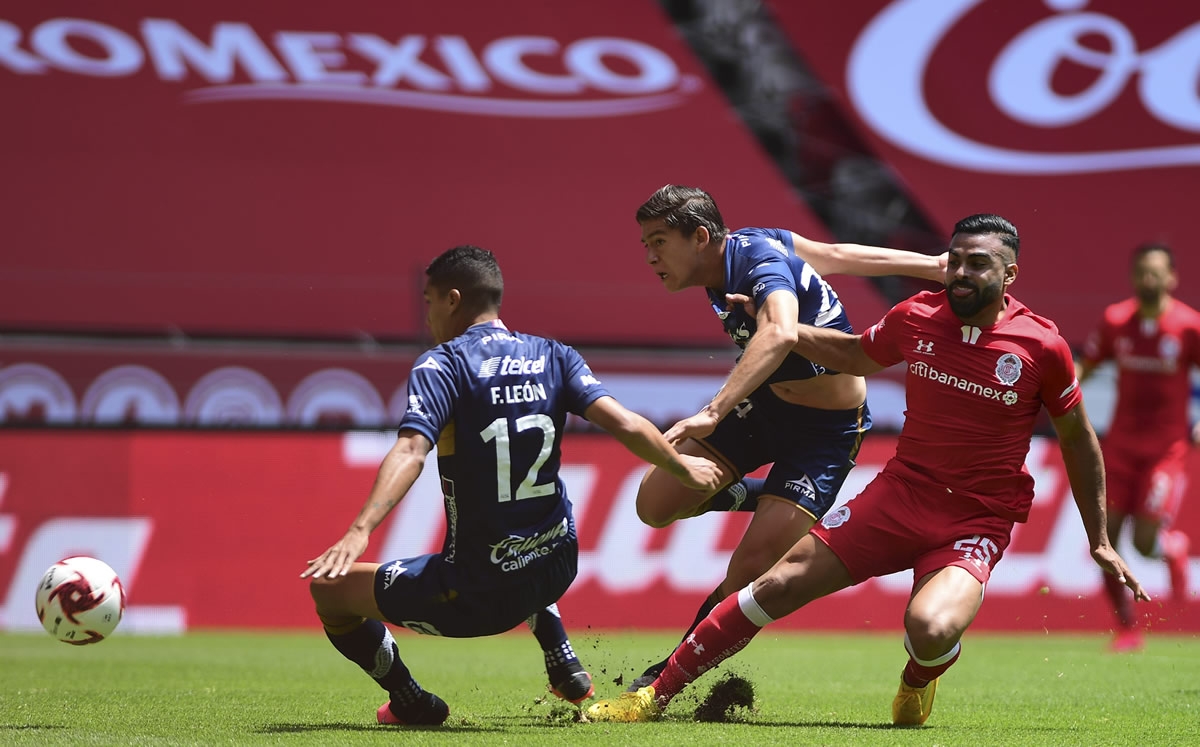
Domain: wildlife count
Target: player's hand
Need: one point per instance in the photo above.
(1111, 562)
(697, 426)
(700, 473)
(737, 299)
(943, 261)
(336, 561)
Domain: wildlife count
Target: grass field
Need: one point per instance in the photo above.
(294, 689)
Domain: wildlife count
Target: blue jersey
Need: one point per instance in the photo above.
(495, 402)
(760, 261)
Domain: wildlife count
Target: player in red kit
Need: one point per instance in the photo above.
(1155, 341)
(981, 366)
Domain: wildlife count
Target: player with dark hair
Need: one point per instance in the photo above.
(981, 366)
(494, 402)
(1154, 338)
(777, 406)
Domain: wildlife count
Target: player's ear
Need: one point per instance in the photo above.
(702, 235)
(1010, 274)
(454, 298)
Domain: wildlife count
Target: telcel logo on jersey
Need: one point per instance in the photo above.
(515, 552)
(520, 366)
(599, 76)
(926, 371)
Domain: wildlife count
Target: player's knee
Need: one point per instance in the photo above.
(653, 515)
(932, 635)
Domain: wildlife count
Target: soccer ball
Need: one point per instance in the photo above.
(80, 600)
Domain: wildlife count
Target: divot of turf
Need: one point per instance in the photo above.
(729, 700)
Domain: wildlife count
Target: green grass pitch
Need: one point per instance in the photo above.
(294, 689)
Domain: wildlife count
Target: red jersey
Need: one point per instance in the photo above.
(973, 396)
(1154, 358)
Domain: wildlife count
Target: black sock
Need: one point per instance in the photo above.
(711, 601)
(740, 496)
(548, 629)
(372, 648)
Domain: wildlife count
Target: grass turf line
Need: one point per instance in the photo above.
(294, 689)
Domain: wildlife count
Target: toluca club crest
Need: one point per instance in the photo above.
(1008, 369)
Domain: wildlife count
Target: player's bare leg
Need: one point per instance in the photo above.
(663, 500)
(810, 570)
(1127, 636)
(776, 526)
(1153, 538)
(942, 605)
(353, 623)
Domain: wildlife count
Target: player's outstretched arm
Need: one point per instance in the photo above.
(775, 335)
(397, 473)
(835, 349)
(643, 439)
(1085, 471)
(868, 261)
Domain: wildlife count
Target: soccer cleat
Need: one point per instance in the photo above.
(1175, 555)
(912, 705)
(576, 686)
(430, 710)
(628, 708)
(1127, 640)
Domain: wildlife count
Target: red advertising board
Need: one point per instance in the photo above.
(289, 169)
(1079, 121)
(212, 530)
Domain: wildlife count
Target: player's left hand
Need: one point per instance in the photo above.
(699, 425)
(336, 561)
(1111, 562)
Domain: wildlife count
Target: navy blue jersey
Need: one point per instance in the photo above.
(760, 261)
(495, 402)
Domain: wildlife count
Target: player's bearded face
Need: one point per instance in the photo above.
(981, 294)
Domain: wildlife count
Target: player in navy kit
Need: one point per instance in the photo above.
(776, 406)
(494, 402)
(980, 368)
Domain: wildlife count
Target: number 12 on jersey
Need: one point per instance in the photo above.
(498, 431)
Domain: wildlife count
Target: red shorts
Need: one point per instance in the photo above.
(895, 524)
(1149, 485)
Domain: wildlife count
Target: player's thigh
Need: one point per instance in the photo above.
(943, 604)
(661, 490)
(352, 595)
(777, 526)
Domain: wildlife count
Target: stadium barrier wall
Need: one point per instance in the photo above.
(211, 530)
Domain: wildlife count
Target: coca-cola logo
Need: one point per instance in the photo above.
(509, 76)
(889, 61)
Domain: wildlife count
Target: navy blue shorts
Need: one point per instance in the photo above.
(428, 595)
(812, 450)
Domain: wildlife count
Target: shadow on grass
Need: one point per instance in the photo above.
(931, 728)
(344, 726)
(30, 727)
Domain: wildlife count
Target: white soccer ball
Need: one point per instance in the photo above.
(80, 600)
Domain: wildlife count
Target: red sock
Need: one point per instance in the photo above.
(1121, 600)
(920, 674)
(719, 636)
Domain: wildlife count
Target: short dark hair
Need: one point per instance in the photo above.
(684, 208)
(473, 271)
(984, 223)
(1144, 249)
